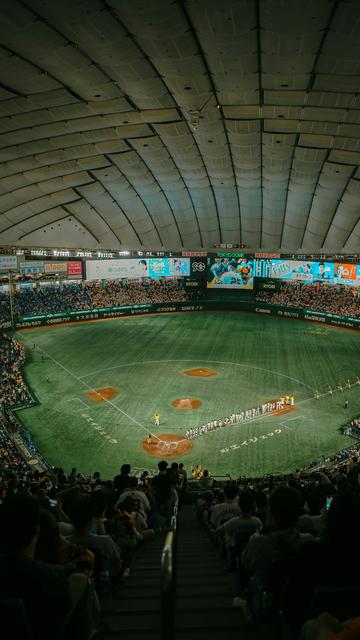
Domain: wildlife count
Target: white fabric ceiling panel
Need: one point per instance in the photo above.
(80, 153)
(94, 222)
(20, 180)
(22, 76)
(206, 121)
(32, 192)
(34, 101)
(23, 212)
(346, 157)
(346, 216)
(20, 232)
(62, 232)
(113, 215)
(352, 243)
(349, 144)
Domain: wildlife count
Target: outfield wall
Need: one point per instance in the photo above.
(202, 305)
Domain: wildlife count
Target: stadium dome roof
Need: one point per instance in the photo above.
(169, 124)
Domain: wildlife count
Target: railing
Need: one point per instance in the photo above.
(168, 580)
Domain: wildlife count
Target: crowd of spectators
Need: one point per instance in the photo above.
(288, 538)
(56, 298)
(352, 428)
(337, 299)
(13, 390)
(68, 538)
(4, 309)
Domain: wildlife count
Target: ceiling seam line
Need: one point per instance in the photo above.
(117, 204)
(338, 204)
(161, 190)
(222, 116)
(325, 160)
(43, 166)
(80, 50)
(99, 115)
(45, 195)
(351, 232)
(312, 75)
(288, 186)
(42, 71)
(186, 187)
(37, 182)
(78, 219)
(41, 227)
(261, 102)
(139, 196)
(91, 206)
(55, 206)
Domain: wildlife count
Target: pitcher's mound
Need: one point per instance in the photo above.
(186, 403)
(100, 395)
(167, 445)
(201, 372)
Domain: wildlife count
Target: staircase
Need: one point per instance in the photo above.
(204, 593)
(133, 613)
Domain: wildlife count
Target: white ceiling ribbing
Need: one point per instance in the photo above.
(97, 102)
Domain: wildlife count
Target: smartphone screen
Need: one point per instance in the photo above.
(329, 500)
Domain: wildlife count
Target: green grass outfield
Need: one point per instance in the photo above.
(255, 358)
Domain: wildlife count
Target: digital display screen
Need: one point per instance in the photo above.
(306, 271)
(168, 267)
(137, 268)
(230, 273)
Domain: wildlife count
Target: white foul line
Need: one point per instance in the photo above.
(94, 391)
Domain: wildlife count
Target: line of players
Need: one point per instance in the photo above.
(249, 414)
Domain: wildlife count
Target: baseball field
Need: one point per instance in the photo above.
(100, 384)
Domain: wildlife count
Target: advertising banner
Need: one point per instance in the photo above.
(292, 270)
(32, 266)
(345, 273)
(74, 269)
(168, 267)
(113, 269)
(55, 267)
(256, 307)
(8, 263)
(327, 272)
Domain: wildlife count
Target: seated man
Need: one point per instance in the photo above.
(228, 509)
(280, 537)
(81, 514)
(245, 521)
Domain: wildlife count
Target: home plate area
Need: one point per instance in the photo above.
(167, 445)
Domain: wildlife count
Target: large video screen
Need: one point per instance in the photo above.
(306, 271)
(168, 267)
(230, 273)
(137, 268)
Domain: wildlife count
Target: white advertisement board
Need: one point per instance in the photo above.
(113, 269)
(8, 263)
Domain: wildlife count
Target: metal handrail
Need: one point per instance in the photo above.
(168, 588)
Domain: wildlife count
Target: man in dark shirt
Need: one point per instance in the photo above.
(161, 488)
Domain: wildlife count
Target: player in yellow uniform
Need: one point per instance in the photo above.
(156, 419)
